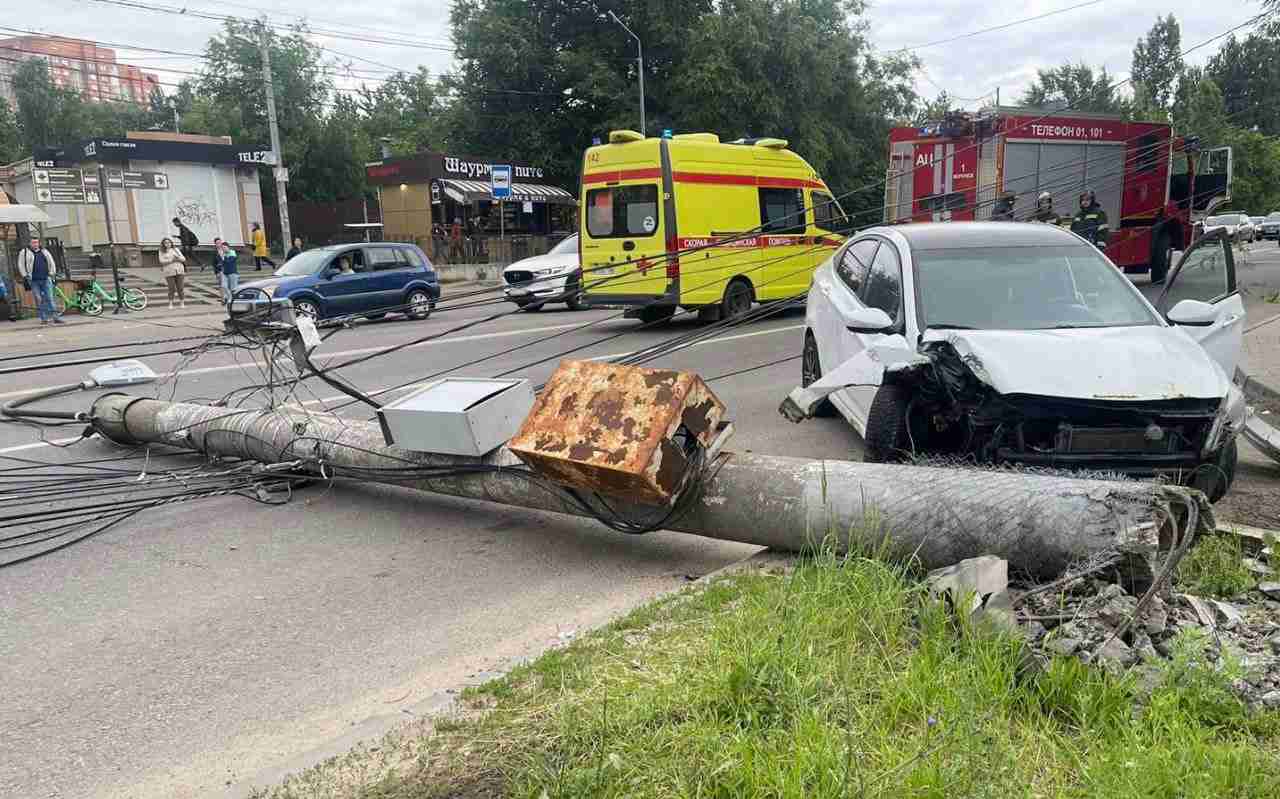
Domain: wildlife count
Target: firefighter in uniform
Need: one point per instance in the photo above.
(1091, 221)
(1002, 211)
(1044, 209)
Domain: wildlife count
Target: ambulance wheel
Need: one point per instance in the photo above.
(737, 299)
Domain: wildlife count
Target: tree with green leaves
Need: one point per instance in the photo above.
(801, 71)
(930, 110)
(11, 146)
(1248, 72)
(544, 77)
(406, 108)
(1158, 65)
(1077, 87)
(50, 116)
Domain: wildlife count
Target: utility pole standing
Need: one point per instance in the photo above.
(278, 169)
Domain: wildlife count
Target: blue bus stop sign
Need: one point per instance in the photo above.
(500, 181)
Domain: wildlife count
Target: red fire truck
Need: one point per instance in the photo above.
(1152, 184)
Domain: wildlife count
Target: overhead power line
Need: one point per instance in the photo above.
(994, 28)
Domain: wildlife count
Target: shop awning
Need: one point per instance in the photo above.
(464, 191)
(10, 214)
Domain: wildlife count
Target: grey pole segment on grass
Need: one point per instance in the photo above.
(640, 65)
(1041, 524)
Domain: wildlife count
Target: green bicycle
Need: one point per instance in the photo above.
(90, 298)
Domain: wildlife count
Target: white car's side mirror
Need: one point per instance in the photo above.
(1193, 313)
(867, 320)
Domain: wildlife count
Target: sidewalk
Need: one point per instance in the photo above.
(1259, 371)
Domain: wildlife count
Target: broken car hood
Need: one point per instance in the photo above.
(1114, 363)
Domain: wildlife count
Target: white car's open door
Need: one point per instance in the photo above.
(1200, 296)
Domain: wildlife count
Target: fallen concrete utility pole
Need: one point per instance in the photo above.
(1041, 524)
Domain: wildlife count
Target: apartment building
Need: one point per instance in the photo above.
(79, 65)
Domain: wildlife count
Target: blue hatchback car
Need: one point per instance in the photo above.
(368, 280)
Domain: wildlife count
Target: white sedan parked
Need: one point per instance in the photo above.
(1020, 343)
(553, 277)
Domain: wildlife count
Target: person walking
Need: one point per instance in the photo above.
(437, 241)
(455, 241)
(261, 254)
(229, 266)
(296, 249)
(187, 240)
(37, 268)
(174, 266)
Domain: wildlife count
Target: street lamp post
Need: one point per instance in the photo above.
(639, 62)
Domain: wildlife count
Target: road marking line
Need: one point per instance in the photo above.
(38, 444)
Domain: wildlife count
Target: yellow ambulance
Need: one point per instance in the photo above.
(690, 221)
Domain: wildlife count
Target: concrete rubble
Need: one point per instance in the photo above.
(1098, 621)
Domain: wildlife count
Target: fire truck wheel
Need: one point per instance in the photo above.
(1160, 255)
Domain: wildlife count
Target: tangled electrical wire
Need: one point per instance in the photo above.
(48, 507)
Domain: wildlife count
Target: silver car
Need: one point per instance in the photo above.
(1270, 227)
(553, 277)
(1239, 228)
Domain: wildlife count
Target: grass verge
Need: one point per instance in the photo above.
(838, 678)
(1215, 567)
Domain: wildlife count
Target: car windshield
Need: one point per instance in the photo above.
(1025, 288)
(565, 247)
(1274, 217)
(304, 263)
(1229, 219)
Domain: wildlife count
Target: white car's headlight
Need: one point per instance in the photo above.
(1229, 421)
(553, 270)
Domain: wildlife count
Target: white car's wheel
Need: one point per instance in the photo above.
(886, 440)
(811, 371)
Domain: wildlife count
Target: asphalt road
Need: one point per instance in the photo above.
(202, 648)
(187, 650)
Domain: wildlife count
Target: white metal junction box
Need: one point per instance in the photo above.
(457, 416)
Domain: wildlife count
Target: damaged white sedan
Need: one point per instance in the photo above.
(1021, 343)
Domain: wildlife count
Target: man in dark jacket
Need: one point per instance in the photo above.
(187, 242)
(1003, 209)
(1091, 221)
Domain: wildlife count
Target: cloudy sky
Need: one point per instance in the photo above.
(407, 33)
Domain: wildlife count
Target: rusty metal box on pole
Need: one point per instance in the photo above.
(620, 430)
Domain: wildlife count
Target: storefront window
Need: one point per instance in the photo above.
(622, 211)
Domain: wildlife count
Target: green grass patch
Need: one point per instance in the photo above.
(1215, 567)
(840, 679)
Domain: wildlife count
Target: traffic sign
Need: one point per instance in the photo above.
(500, 181)
(128, 179)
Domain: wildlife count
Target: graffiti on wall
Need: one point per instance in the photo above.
(194, 213)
